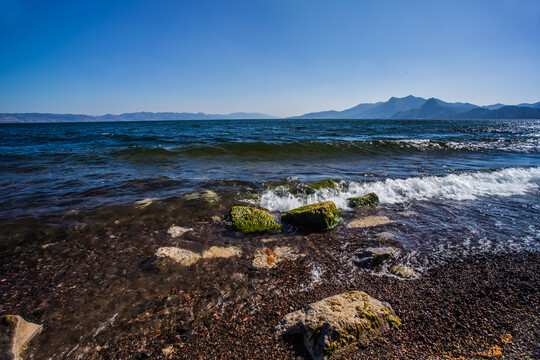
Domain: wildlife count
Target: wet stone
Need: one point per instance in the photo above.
(315, 217)
(170, 255)
(268, 258)
(176, 231)
(369, 221)
(15, 333)
(370, 199)
(402, 271)
(221, 252)
(372, 258)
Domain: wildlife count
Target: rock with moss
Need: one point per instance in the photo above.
(249, 219)
(370, 199)
(323, 184)
(330, 324)
(15, 334)
(316, 217)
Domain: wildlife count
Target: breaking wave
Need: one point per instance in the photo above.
(459, 187)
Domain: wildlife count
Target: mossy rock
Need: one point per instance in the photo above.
(370, 199)
(249, 219)
(317, 217)
(323, 184)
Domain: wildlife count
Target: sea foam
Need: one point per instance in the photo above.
(460, 187)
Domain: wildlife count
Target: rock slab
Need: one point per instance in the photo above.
(15, 333)
(338, 321)
(316, 217)
(170, 255)
(369, 221)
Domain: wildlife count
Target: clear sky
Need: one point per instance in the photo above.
(277, 57)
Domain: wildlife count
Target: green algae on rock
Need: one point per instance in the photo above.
(370, 199)
(338, 321)
(323, 184)
(249, 219)
(317, 217)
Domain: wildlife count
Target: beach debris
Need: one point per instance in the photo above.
(170, 255)
(221, 252)
(339, 321)
(323, 184)
(316, 217)
(372, 258)
(369, 221)
(269, 258)
(370, 199)
(176, 231)
(403, 271)
(205, 197)
(15, 333)
(249, 219)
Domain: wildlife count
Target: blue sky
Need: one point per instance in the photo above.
(276, 57)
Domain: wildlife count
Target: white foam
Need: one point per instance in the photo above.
(460, 187)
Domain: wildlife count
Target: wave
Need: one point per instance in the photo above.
(460, 187)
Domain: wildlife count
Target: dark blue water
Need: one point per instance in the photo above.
(53, 168)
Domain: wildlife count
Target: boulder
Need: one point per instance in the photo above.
(249, 219)
(338, 321)
(370, 199)
(402, 271)
(372, 258)
(369, 221)
(172, 255)
(269, 258)
(15, 333)
(221, 252)
(317, 217)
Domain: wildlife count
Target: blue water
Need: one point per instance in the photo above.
(54, 168)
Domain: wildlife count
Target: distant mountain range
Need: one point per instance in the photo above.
(409, 107)
(412, 107)
(138, 116)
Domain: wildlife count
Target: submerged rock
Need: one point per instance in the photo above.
(221, 252)
(372, 258)
(176, 231)
(317, 217)
(370, 199)
(249, 219)
(15, 333)
(205, 197)
(269, 258)
(323, 184)
(172, 255)
(337, 321)
(402, 271)
(369, 221)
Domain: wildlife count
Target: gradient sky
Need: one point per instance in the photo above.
(277, 57)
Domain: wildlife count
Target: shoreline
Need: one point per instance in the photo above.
(461, 307)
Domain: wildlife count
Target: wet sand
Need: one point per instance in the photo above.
(92, 289)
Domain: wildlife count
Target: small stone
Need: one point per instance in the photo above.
(385, 236)
(205, 197)
(176, 231)
(221, 252)
(402, 271)
(15, 333)
(372, 258)
(141, 204)
(369, 221)
(170, 255)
